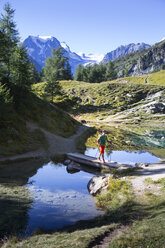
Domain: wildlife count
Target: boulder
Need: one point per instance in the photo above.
(156, 108)
(66, 162)
(96, 184)
(73, 167)
(141, 165)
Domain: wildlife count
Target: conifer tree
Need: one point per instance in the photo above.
(22, 74)
(110, 72)
(68, 73)
(56, 68)
(102, 71)
(94, 74)
(79, 73)
(9, 39)
(17, 72)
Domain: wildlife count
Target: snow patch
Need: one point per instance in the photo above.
(65, 46)
(91, 58)
(45, 37)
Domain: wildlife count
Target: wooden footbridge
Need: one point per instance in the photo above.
(92, 161)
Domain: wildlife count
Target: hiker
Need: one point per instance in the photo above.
(101, 141)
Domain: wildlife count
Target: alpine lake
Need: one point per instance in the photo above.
(44, 196)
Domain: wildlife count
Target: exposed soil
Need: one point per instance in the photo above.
(57, 144)
(104, 240)
(154, 171)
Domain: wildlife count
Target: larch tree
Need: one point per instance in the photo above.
(56, 69)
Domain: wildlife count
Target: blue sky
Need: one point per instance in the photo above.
(91, 26)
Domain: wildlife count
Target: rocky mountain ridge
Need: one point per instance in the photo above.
(142, 62)
(123, 50)
(39, 49)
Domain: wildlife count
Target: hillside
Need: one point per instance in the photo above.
(129, 99)
(123, 50)
(16, 136)
(142, 62)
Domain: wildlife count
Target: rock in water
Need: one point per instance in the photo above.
(73, 167)
(96, 184)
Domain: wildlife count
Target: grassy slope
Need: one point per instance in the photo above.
(106, 98)
(157, 78)
(149, 232)
(15, 138)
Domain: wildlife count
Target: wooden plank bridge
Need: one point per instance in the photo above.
(92, 161)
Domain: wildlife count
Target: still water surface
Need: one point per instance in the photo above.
(61, 199)
(127, 157)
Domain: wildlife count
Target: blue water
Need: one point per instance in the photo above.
(59, 198)
(127, 157)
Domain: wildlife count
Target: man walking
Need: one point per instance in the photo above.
(101, 141)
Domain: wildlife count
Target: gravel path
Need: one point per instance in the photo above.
(154, 171)
(57, 144)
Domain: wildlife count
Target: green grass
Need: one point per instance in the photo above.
(157, 78)
(15, 199)
(84, 233)
(93, 101)
(126, 172)
(97, 103)
(143, 59)
(25, 142)
(160, 181)
(81, 140)
(118, 193)
(14, 203)
(15, 138)
(132, 138)
(78, 239)
(148, 233)
(145, 216)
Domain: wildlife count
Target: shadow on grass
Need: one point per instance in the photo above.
(76, 108)
(13, 216)
(15, 200)
(156, 210)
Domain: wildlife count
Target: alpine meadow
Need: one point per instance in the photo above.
(82, 135)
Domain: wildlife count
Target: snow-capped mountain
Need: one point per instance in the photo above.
(162, 39)
(74, 58)
(39, 49)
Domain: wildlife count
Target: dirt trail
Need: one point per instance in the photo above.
(154, 171)
(57, 144)
(104, 240)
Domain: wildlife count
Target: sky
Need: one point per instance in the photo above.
(91, 26)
